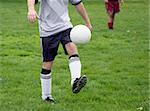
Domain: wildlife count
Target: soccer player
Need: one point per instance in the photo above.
(112, 7)
(54, 28)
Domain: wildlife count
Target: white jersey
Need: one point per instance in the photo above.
(53, 16)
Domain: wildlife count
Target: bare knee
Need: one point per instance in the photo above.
(47, 65)
(71, 48)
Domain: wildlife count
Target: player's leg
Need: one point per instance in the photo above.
(113, 8)
(49, 47)
(110, 10)
(77, 81)
(46, 81)
(110, 20)
(74, 61)
(116, 9)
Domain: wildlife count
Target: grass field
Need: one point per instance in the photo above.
(116, 62)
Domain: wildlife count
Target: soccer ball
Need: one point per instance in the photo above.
(80, 34)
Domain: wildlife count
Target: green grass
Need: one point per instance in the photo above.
(116, 62)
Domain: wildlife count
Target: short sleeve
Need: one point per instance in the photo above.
(75, 2)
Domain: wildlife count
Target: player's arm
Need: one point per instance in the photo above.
(32, 15)
(82, 11)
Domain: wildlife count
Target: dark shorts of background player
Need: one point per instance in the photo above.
(50, 44)
(112, 7)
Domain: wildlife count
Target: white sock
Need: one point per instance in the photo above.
(46, 82)
(75, 68)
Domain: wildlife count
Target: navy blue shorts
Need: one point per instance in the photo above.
(50, 44)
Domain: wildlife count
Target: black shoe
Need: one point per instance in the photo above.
(51, 100)
(79, 83)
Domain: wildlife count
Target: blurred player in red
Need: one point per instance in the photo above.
(112, 7)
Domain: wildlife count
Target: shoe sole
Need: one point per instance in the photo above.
(50, 100)
(81, 83)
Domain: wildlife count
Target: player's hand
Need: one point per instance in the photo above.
(90, 27)
(32, 16)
